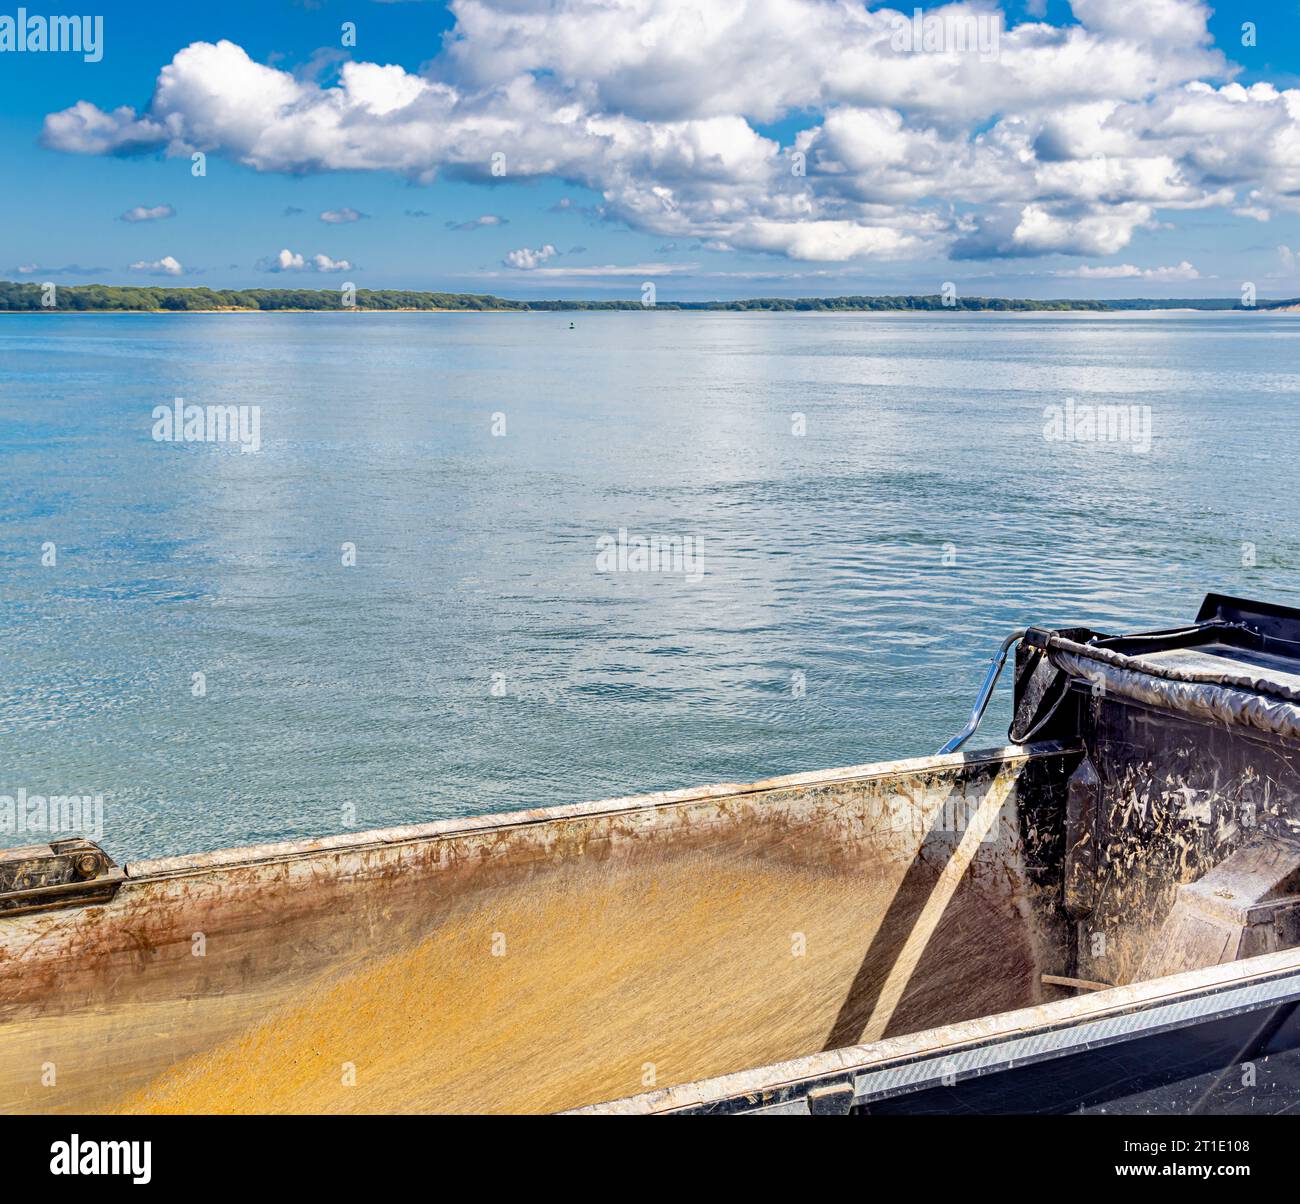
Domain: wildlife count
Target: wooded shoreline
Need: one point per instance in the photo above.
(104, 298)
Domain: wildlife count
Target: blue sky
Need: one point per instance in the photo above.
(1102, 152)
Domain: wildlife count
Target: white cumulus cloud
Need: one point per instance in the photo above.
(526, 259)
(1070, 140)
(168, 265)
(1128, 271)
(292, 261)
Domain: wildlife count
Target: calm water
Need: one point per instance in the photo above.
(473, 659)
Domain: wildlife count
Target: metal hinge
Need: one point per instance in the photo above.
(63, 873)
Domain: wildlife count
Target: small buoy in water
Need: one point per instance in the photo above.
(570, 325)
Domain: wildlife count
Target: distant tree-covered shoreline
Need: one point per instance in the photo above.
(103, 298)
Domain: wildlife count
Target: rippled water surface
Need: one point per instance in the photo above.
(474, 659)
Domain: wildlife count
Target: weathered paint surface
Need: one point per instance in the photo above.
(672, 936)
(1175, 798)
(1246, 905)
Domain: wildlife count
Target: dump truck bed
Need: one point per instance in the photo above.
(1107, 915)
(540, 960)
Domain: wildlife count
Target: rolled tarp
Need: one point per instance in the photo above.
(1237, 697)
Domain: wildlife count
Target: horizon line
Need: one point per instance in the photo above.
(956, 302)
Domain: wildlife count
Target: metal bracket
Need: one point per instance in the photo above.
(63, 873)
